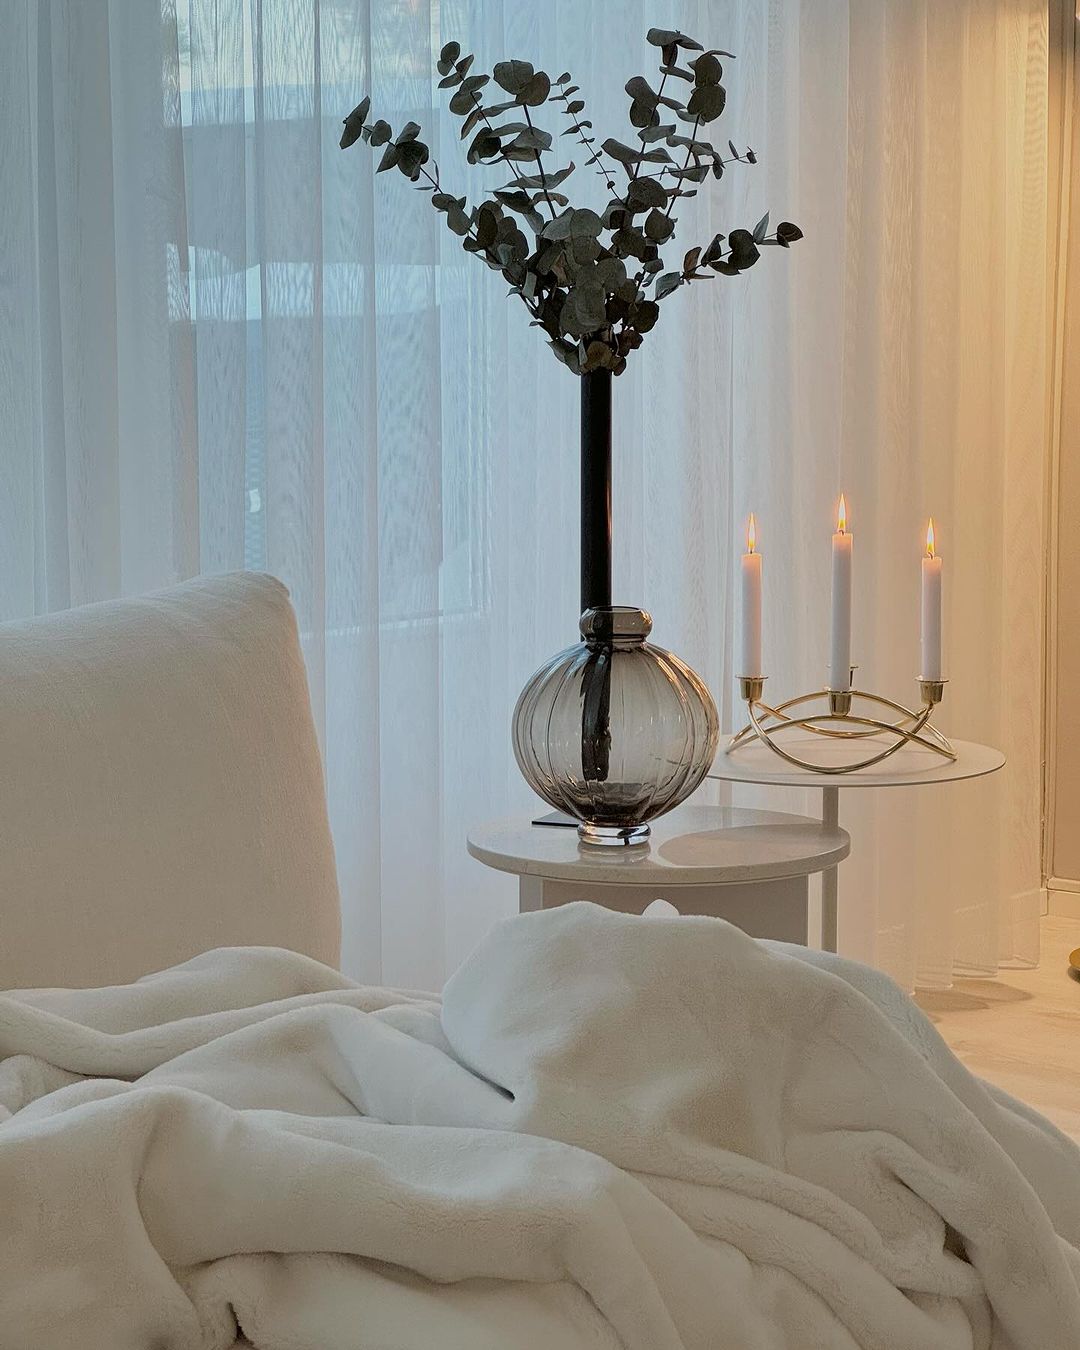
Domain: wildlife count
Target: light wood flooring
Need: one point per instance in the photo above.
(1022, 1030)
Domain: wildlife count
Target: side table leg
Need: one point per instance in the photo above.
(830, 817)
(530, 893)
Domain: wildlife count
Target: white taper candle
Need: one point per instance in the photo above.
(931, 610)
(839, 674)
(750, 611)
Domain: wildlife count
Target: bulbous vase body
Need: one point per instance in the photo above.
(615, 731)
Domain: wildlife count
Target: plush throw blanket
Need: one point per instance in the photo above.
(610, 1132)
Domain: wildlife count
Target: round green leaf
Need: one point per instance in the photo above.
(513, 76)
(707, 102)
(644, 193)
(536, 90)
(707, 69)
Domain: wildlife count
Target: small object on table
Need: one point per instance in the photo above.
(750, 867)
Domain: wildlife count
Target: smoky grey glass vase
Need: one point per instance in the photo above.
(615, 731)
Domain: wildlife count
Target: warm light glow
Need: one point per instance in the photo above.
(841, 516)
(930, 538)
(751, 534)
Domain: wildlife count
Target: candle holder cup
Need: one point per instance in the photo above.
(837, 720)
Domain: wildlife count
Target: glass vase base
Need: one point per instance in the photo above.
(612, 836)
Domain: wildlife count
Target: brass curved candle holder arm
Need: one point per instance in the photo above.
(838, 722)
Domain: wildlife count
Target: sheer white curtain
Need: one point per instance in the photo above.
(224, 343)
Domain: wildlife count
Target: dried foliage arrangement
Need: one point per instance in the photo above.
(594, 282)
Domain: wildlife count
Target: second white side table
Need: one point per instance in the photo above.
(909, 767)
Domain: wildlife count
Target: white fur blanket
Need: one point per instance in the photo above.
(611, 1131)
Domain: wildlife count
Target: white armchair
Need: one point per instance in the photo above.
(161, 791)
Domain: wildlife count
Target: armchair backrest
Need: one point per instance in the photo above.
(161, 789)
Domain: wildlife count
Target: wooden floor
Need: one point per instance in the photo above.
(1022, 1030)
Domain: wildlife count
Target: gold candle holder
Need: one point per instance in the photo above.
(838, 720)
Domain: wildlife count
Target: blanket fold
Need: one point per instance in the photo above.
(609, 1131)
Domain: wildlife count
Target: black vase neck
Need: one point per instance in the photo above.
(596, 490)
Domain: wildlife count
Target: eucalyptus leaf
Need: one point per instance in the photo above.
(761, 229)
(559, 228)
(536, 91)
(450, 52)
(354, 123)
(638, 87)
(630, 242)
(627, 154)
(643, 114)
(514, 199)
(584, 222)
(610, 273)
(465, 99)
(669, 282)
(658, 226)
(584, 310)
(599, 356)
(644, 193)
(645, 315)
(786, 233)
(743, 251)
(582, 249)
(513, 76)
(412, 156)
(532, 138)
(380, 133)
(487, 226)
(471, 121)
(707, 69)
(485, 146)
(707, 102)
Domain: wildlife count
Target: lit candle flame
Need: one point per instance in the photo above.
(841, 516)
(751, 534)
(930, 538)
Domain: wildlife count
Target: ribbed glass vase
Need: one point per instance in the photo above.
(615, 731)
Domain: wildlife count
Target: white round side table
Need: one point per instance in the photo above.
(911, 766)
(750, 867)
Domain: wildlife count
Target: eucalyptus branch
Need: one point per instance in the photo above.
(539, 165)
(642, 130)
(572, 276)
(640, 277)
(605, 171)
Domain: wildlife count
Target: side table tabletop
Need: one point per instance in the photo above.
(751, 867)
(911, 766)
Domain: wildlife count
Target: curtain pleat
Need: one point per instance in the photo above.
(225, 344)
